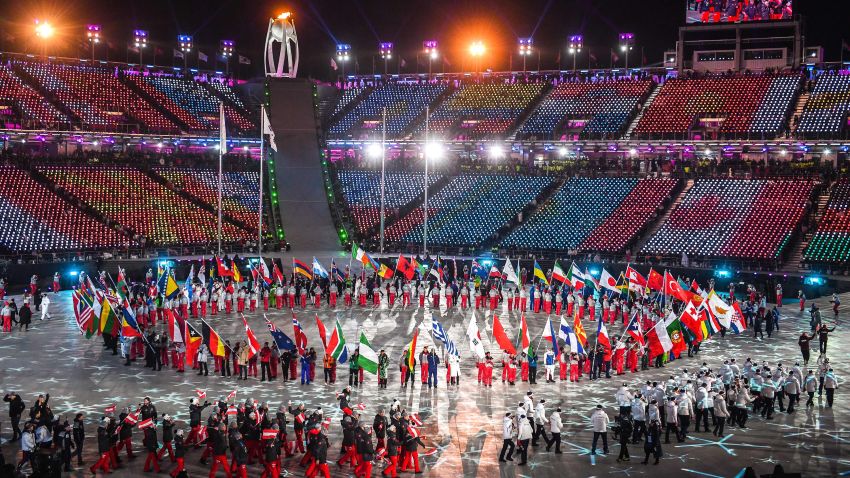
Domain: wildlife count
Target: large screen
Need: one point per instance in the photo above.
(734, 11)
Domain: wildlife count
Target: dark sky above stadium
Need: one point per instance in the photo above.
(363, 23)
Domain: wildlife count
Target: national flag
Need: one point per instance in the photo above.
(253, 343)
(221, 268)
(281, 339)
(301, 268)
(509, 273)
(581, 335)
(478, 269)
(738, 324)
(132, 418)
(440, 334)
(213, 340)
(421, 268)
(193, 343)
(83, 313)
(230, 396)
(363, 257)
(121, 284)
(494, 272)
(237, 276)
(300, 336)
(411, 350)
(108, 318)
(385, 271)
(269, 434)
(146, 423)
(695, 286)
(368, 359)
(575, 277)
(655, 281)
(437, 271)
(263, 272)
(501, 337)
(538, 273)
(558, 273)
(569, 337)
(637, 282)
(202, 56)
(674, 289)
(202, 273)
(177, 53)
(405, 267)
(129, 326)
(690, 318)
(335, 272)
(674, 331)
(412, 432)
(336, 344)
(187, 286)
(414, 419)
(634, 330)
(602, 337)
(549, 333)
(474, 336)
(720, 310)
(323, 333)
(277, 273)
(171, 287)
(175, 333)
(607, 281)
(318, 269)
(203, 433)
(658, 340)
(109, 409)
(525, 339)
(244, 60)
(202, 394)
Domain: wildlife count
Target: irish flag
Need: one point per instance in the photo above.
(368, 358)
(363, 257)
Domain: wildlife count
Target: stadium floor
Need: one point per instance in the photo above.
(462, 426)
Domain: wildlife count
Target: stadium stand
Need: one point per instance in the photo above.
(602, 108)
(239, 191)
(98, 98)
(22, 106)
(471, 208)
(403, 104)
(567, 218)
(34, 219)
(346, 97)
(831, 240)
(134, 200)
(826, 112)
(747, 219)
(634, 213)
(361, 191)
(483, 110)
(741, 105)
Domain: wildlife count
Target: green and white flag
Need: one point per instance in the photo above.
(368, 359)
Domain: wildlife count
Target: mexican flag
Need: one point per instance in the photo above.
(677, 336)
(368, 358)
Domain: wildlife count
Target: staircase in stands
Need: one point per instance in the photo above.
(795, 256)
(639, 115)
(661, 220)
(798, 110)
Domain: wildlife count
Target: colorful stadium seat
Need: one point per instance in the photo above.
(403, 104)
(30, 105)
(828, 106)
(35, 219)
(747, 219)
(831, 241)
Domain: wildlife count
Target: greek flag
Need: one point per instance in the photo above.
(440, 334)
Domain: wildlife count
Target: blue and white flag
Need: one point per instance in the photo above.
(318, 269)
(567, 335)
(187, 286)
(440, 334)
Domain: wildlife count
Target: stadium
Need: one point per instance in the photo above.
(630, 202)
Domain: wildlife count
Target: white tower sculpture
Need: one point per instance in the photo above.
(282, 30)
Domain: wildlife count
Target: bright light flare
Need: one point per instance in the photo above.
(44, 29)
(284, 15)
(477, 48)
(433, 150)
(496, 151)
(374, 150)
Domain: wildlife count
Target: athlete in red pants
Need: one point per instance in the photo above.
(219, 451)
(391, 471)
(321, 465)
(151, 444)
(411, 445)
(179, 453)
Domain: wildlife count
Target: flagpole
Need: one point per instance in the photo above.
(425, 204)
(383, 171)
(222, 145)
(262, 157)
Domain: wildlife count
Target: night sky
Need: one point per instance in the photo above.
(363, 23)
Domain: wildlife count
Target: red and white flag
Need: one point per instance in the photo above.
(413, 432)
(414, 419)
(230, 396)
(202, 394)
(269, 434)
(380, 453)
(326, 423)
(146, 423)
(361, 406)
(131, 419)
(232, 411)
(109, 409)
(253, 343)
(202, 433)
